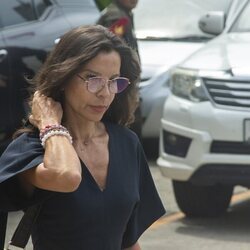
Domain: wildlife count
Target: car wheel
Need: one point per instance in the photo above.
(202, 201)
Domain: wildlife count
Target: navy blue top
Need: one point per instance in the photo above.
(88, 218)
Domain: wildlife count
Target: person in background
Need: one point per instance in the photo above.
(118, 17)
(77, 155)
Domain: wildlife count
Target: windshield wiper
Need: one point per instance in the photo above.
(194, 38)
(189, 38)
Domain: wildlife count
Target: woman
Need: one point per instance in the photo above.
(78, 157)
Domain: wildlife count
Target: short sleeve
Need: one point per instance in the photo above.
(23, 153)
(148, 209)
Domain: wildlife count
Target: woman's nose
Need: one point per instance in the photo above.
(105, 90)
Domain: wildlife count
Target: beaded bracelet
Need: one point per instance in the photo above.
(48, 128)
(52, 130)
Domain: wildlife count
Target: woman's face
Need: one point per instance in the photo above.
(79, 101)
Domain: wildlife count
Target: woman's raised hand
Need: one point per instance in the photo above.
(45, 111)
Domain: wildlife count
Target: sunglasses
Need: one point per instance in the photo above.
(116, 85)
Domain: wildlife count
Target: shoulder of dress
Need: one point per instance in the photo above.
(123, 132)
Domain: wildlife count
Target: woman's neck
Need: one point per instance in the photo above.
(84, 131)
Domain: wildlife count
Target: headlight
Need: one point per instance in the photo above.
(187, 84)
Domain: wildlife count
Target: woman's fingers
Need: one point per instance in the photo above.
(45, 111)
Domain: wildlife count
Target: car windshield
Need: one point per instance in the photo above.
(173, 20)
(242, 23)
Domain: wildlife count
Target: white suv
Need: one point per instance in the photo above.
(205, 137)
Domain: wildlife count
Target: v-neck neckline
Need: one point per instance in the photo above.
(91, 177)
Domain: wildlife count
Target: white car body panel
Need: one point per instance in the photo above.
(222, 53)
(202, 123)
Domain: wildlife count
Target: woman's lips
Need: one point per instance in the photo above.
(99, 109)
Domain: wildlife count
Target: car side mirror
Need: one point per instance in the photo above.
(213, 22)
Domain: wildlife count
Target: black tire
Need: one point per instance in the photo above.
(202, 201)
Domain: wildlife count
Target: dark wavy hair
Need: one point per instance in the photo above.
(75, 49)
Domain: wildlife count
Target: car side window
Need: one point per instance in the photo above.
(41, 6)
(16, 12)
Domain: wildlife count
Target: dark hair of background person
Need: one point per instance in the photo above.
(75, 49)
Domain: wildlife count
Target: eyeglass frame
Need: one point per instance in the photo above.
(107, 81)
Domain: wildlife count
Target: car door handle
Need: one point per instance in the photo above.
(3, 54)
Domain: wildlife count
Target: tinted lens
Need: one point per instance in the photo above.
(95, 84)
(121, 84)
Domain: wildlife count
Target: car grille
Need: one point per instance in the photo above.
(229, 92)
(230, 147)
